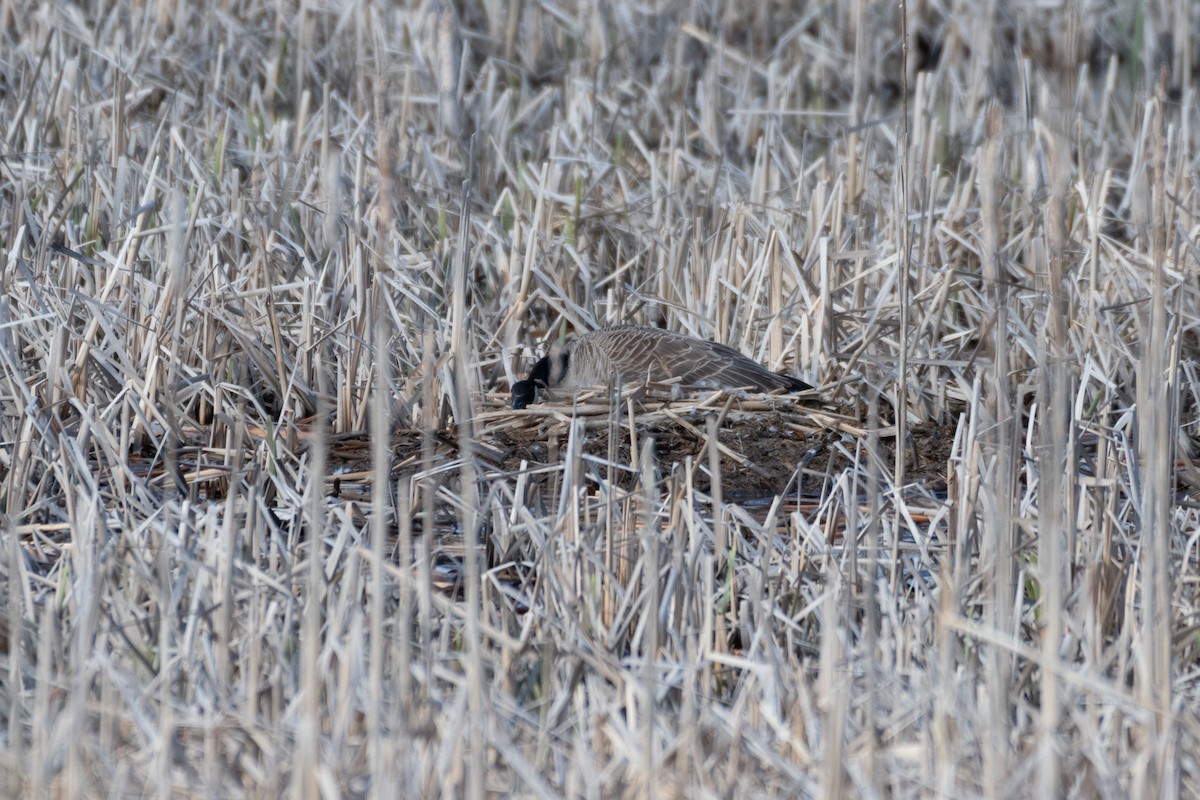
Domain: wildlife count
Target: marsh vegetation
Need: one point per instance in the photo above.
(269, 523)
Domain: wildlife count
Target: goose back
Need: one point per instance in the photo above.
(636, 353)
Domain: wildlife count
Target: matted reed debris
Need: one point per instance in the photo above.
(764, 443)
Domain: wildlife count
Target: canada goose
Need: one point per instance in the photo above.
(633, 352)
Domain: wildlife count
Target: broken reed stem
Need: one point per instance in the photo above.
(381, 430)
(304, 778)
(996, 530)
(1055, 435)
(462, 360)
(609, 586)
(1156, 421)
(903, 263)
(650, 635)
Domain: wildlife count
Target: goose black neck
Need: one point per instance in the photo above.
(540, 374)
(525, 392)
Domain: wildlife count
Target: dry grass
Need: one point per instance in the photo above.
(269, 269)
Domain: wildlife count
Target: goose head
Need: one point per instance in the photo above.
(525, 392)
(550, 370)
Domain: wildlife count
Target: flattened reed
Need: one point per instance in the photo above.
(269, 271)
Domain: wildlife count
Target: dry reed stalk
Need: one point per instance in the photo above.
(1155, 452)
(1055, 543)
(996, 530)
(306, 777)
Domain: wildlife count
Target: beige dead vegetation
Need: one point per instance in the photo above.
(269, 525)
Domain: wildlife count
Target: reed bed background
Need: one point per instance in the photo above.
(269, 269)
